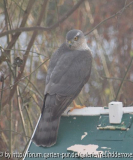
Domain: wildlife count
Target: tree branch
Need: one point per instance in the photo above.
(39, 28)
(117, 79)
(25, 29)
(25, 17)
(117, 13)
(12, 91)
(122, 82)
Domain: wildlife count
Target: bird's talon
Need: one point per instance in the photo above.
(75, 107)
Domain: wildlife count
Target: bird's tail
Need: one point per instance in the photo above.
(46, 133)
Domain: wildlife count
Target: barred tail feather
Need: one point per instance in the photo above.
(46, 133)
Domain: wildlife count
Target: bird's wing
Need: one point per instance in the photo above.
(67, 78)
(54, 59)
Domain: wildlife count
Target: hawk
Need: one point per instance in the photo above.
(69, 69)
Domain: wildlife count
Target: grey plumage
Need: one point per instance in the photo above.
(68, 71)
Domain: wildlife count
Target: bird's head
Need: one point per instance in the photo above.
(76, 40)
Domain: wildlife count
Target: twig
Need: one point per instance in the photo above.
(18, 5)
(16, 82)
(1, 96)
(38, 28)
(119, 12)
(28, 115)
(122, 82)
(1, 130)
(25, 17)
(7, 21)
(12, 91)
(35, 88)
(102, 56)
(26, 29)
(20, 112)
(119, 79)
(31, 125)
(22, 29)
(25, 51)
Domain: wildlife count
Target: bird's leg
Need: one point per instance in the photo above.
(75, 106)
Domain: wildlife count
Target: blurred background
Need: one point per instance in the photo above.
(25, 55)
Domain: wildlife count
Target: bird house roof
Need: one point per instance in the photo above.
(89, 135)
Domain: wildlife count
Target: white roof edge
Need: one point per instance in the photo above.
(93, 111)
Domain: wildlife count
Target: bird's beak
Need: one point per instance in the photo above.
(70, 43)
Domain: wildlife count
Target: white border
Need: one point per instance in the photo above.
(93, 111)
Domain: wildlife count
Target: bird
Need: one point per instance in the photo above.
(68, 71)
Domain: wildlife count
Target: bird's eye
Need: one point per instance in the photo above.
(76, 38)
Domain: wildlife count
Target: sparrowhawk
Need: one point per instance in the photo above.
(69, 69)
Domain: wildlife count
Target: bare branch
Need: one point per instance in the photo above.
(22, 78)
(25, 17)
(39, 28)
(122, 82)
(114, 15)
(26, 29)
(117, 79)
(12, 91)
